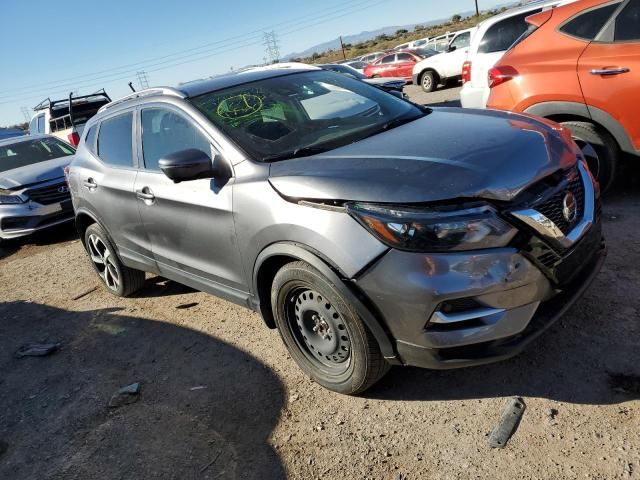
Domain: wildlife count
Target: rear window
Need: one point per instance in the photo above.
(502, 35)
(29, 152)
(587, 25)
(115, 141)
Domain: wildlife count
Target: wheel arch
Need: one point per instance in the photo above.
(438, 77)
(275, 256)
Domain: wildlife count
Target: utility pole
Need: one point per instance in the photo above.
(344, 55)
(143, 79)
(477, 9)
(25, 113)
(271, 46)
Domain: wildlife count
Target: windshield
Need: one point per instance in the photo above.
(302, 114)
(21, 154)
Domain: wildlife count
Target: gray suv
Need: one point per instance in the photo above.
(370, 231)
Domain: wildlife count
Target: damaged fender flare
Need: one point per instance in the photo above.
(307, 254)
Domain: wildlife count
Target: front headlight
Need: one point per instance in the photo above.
(433, 230)
(8, 197)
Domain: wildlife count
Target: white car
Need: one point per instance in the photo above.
(438, 69)
(439, 43)
(65, 119)
(493, 38)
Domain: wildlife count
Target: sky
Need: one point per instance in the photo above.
(52, 48)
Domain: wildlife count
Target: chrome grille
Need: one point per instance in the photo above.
(552, 207)
(49, 194)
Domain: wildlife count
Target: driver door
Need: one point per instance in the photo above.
(456, 57)
(189, 224)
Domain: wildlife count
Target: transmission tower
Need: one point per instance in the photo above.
(271, 46)
(25, 113)
(143, 79)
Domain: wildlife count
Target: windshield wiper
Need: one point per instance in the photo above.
(296, 153)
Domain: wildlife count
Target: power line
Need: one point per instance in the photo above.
(25, 114)
(252, 34)
(271, 46)
(205, 54)
(143, 80)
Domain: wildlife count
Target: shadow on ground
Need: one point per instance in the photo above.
(54, 415)
(573, 360)
(58, 234)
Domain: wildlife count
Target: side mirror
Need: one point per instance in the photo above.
(451, 48)
(185, 165)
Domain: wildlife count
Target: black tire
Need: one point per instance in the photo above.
(428, 82)
(600, 150)
(342, 355)
(117, 278)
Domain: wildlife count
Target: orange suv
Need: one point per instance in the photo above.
(579, 64)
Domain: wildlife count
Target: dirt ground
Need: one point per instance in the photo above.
(220, 397)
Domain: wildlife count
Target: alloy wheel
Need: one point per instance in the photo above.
(103, 260)
(319, 330)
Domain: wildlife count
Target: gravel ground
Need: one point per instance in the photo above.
(220, 397)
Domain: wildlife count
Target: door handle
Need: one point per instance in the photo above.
(90, 184)
(145, 194)
(610, 71)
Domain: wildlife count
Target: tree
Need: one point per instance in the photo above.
(456, 18)
(401, 31)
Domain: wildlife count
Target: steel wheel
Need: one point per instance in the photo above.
(103, 260)
(319, 330)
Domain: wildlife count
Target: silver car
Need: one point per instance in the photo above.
(33, 191)
(369, 230)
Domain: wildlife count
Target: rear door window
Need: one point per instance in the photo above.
(90, 139)
(587, 25)
(502, 35)
(40, 123)
(628, 23)
(388, 59)
(405, 57)
(165, 132)
(115, 141)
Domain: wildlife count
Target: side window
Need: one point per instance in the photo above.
(115, 146)
(405, 57)
(90, 139)
(462, 41)
(164, 132)
(41, 123)
(502, 35)
(388, 59)
(628, 23)
(33, 126)
(587, 25)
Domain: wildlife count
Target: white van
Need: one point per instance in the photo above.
(493, 38)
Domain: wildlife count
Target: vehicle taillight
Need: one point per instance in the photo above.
(466, 72)
(66, 174)
(501, 74)
(74, 138)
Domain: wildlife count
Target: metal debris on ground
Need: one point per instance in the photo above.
(184, 306)
(37, 350)
(511, 415)
(84, 293)
(125, 395)
(199, 387)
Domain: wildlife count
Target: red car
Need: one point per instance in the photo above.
(393, 64)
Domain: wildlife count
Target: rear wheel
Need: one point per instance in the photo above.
(119, 279)
(428, 82)
(323, 332)
(599, 149)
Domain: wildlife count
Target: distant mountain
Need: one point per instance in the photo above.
(369, 34)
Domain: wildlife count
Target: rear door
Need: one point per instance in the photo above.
(190, 224)
(387, 65)
(404, 65)
(609, 70)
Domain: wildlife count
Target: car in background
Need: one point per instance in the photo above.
(588, 81)
(10, 132)
(370, 57)
(368, 230)
(357, 65)
(394, 64)
(441, 42)
(493, 38)
(441, 68)
(388, 84)
(66, 118)
(33, 191)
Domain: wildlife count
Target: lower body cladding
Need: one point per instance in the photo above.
(24, 219)
(470, 308)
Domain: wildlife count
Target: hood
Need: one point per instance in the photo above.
(28, 175)
(381, 81)
(449, 153)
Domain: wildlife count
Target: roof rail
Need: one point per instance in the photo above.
(144, 93)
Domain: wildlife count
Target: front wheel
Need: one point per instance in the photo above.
(599, 149)
(119, 279)
(428, 82)
(323, 332)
